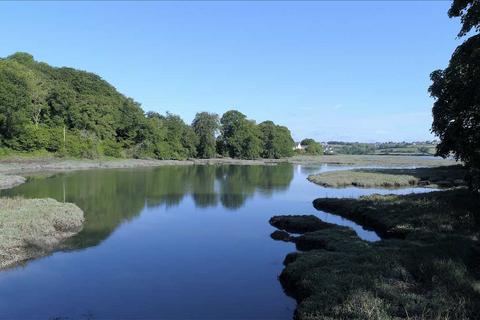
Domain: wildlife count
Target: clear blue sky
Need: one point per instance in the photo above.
(355, 71)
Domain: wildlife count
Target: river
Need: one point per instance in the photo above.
(173, 242)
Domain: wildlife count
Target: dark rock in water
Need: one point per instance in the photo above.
(299, 223)
(281, 235)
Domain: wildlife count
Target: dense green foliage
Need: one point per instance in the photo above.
(70, 112)
(312, 146)
(240, 137)
(456, 111)
(277, 140)
(206, 126)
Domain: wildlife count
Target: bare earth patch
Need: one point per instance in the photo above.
(30, 228)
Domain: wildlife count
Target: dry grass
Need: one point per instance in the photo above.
(443, 176)
(346, 178)
(373, 160)
(34, 227)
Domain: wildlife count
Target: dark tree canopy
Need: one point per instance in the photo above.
(456, 90)
(469, 13)
(456, 111)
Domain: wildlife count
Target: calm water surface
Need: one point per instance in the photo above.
(186, 242)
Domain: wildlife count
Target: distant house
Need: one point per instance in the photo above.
(299, 146)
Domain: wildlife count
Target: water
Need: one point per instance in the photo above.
(186, 242)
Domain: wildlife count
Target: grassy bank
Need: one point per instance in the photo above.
(434, 213)
(445, 176)
(336, 275)
(31, 228)
(373, 160)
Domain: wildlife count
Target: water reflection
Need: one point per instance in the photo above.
(110, 197)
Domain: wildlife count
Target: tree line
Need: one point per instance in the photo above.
(76, 113)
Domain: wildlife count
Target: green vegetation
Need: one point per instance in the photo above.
(384, 148)
(74, 113)
(32, 228)
(312, 147)
(432, 213)
(431, 274)
(371, 160)
(358, 178)
(240, 137)
(277, 140)
(447, 176)
(205, 126)
(456, 111)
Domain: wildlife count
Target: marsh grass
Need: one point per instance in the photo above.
(373, 160)
(344, 178)
(454, 211)
(429, 269)
(339, 276)
(446, 176)
(34, 227)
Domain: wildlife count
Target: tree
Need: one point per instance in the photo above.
(205, 125)
(240, 137)
(469, 13)
(456, 110)
(312, 147)
(277, 140)
(77, 113)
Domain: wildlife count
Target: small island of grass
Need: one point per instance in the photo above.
(30, 228)
(444, 176)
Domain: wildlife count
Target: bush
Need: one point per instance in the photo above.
(111, 148)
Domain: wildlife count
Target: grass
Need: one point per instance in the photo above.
(336, 275)
(429, 268)
(34, 227)
(433, 213)
(363, 179)
(446, 176)
(373, 160)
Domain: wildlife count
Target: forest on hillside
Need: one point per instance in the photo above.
(68, 112)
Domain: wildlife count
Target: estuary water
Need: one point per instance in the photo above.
(173, 242)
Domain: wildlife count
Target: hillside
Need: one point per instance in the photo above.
(76, 113)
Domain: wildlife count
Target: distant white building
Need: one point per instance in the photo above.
(298, 146)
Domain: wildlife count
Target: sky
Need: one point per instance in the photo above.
(345, 70)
